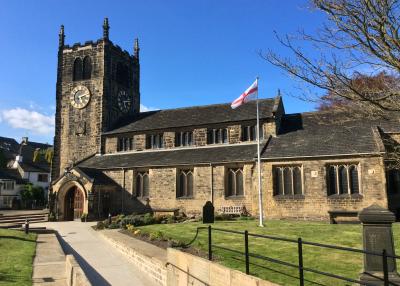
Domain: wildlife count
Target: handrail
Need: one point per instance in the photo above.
(306, 242)
(300, 244)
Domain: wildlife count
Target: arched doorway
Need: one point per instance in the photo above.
(73, 204)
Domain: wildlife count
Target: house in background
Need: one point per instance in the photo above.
(21, 168)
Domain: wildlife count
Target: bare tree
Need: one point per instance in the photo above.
(359, 40)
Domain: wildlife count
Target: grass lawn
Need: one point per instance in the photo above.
(342, 263)
(16, 257)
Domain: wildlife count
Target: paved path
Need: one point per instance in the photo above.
(49, 262)
(103, 264)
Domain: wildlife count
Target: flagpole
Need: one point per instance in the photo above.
(260, 207)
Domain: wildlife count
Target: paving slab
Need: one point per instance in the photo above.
(102, 263)
(49, 262)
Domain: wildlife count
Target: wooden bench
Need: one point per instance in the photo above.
(232, 210)
(160, 212)
(335, 214)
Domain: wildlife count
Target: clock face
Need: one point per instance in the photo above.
(124, 101)
(80, 96)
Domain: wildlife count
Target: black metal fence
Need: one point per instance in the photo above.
(300, 264)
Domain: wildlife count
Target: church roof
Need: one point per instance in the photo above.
(194, 116)
(12, 174)
(97, 177)
(314, 134)
(324, 134)
(173, 157)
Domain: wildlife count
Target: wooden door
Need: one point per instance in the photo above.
(78, 204)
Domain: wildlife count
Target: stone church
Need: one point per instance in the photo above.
(112, 158)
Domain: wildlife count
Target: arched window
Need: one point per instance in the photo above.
(142, 184)
(77, 74)
(353, 175)
(87, 68)
(287, 178)
(278, 187)
(234, 182)
(185, 184)
(224, 135)
(343, 186)
(297, 182)
(332, 180)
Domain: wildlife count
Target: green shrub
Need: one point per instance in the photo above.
(52, 217)
(148, 219)
(114, 225)
(100, 225)
(171, 219)
(158, 235)
(223, 216)
(138, 220)
(246, 218)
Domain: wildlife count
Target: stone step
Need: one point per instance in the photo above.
(25, 216)
(22, 220)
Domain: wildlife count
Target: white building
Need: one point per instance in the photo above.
(20, 169)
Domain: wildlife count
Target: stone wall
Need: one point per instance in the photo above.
(234, 133)
(162, 183)
(200, 136)
(313, 204)
(169, 140)
(111, 144)
(140, 142)
(186, 269)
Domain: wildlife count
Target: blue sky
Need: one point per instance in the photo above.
(192, 52)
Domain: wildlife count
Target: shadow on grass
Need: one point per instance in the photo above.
(277, 271)
(94, 277)
(16, 237)
(11, 278)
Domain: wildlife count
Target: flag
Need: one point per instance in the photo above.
(245, 96)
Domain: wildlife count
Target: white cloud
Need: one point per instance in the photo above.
(144, 108)
(26, 119)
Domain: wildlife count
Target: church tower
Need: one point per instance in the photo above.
(97, 85)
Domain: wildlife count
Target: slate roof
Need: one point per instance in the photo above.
(27, 151)
(313, 134)
(11, 148)
(173, 157)
(322, 134)
(12, 174)
(96, 176)
(194, 116)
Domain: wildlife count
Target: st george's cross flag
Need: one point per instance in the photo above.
(246, 96)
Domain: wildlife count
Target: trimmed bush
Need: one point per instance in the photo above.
(100, 225)
(158, 235)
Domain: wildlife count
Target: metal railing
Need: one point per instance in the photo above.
(300, 263)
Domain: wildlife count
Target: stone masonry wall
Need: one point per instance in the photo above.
(315, 203)
(200, 136)
(169, 140)
(111, 144)
(140, 142)
(234, 132)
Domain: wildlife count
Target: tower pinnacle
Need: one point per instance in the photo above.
(106, 29)
(136, 48)
(61, 37)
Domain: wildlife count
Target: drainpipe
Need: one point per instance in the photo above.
(212, 184)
